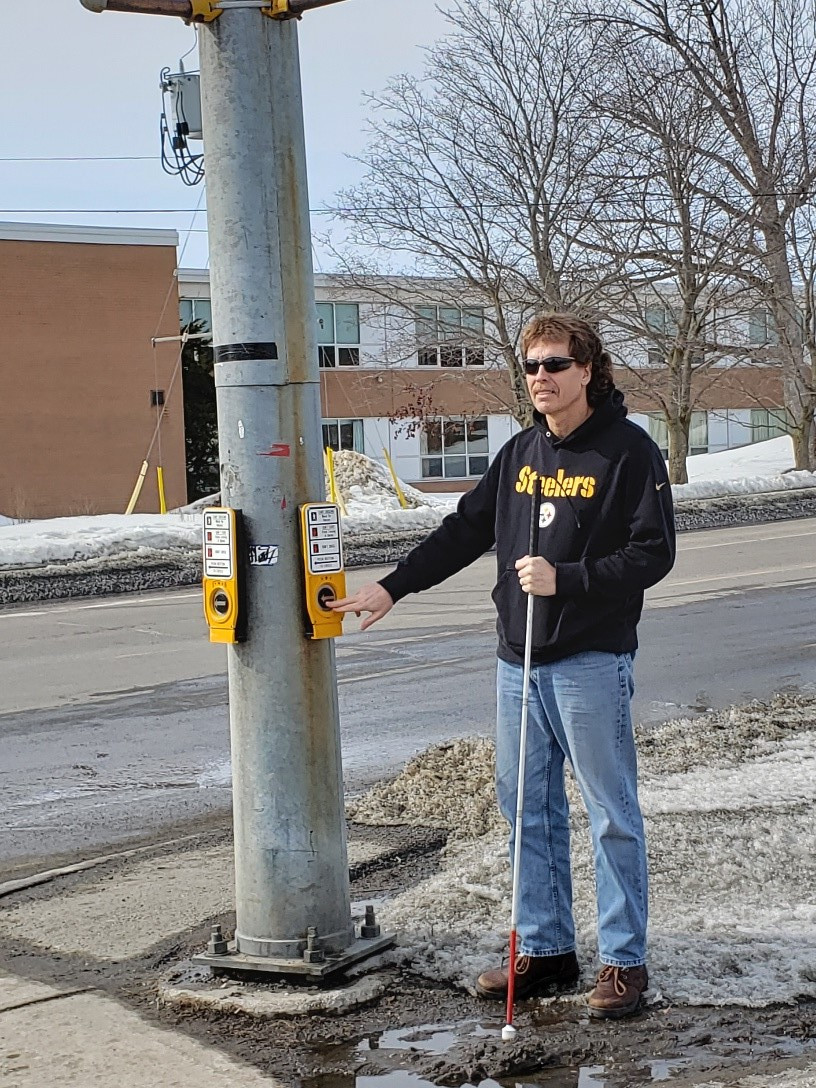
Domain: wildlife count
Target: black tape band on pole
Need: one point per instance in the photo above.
(239, 353)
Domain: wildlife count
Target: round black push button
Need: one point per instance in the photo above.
(325, 595)
(221, 602)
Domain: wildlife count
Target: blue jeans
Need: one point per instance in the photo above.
(579, 710)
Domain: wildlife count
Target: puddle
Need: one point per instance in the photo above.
(391, 1047)
(586, 1076)
(427, 1038)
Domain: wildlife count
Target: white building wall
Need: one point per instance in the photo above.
(405, 454)
(717, 431)
(641, 419)
(372, 336)
(377, 437)
(499, 430)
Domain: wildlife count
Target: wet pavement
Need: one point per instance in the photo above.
(152, 761)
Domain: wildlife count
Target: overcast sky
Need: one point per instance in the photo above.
(79, 84)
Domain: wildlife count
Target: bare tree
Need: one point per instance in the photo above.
(754, 64)
(672, 314)
(480, 171)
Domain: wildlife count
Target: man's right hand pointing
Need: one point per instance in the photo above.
(370, 598)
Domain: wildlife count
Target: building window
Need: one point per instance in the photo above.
(338, 334)
(449, 336)
(660, 322)
(343, 434)
(762, 329)
(768, 423)
(698, 432)
(454, 449)
(198, 310)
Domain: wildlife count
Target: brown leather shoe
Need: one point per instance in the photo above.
(618, 992)
(534, 974)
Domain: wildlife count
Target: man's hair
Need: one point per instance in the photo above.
(584, 344)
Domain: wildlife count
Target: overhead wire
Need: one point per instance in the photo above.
(328, 209)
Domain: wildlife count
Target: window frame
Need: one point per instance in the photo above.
(334, 353)
(445, 457)
(194, 304)
(762, 330)
(776, 423)
(358, 428)
(657, 426)
(459, 339)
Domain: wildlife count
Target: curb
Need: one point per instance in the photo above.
(266, 1002)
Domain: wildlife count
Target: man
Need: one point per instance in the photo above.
(606, 534)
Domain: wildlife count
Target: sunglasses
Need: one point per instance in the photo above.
(553, 364)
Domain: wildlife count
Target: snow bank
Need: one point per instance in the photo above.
(92, 543)
(760, 467)
(753, 485)
(86, 542)
(765, 459)
(730, 824)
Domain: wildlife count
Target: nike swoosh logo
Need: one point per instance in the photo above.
(658, 486)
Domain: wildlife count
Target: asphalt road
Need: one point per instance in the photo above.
(115, 718)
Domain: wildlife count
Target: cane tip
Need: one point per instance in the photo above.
(508, 1033)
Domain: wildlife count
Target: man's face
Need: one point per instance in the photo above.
(556, 394)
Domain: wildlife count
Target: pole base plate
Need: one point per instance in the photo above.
(234, 962)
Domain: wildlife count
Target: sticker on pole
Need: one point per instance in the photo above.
(218, 544)
(324, 549)
(263, 555)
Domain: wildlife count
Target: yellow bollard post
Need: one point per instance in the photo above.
(397, 487)
(333, 488)
(160, 482)
(137, 490)
(329, 474)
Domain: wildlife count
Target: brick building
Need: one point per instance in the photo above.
(79, 308)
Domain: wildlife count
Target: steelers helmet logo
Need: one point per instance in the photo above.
(546, 515)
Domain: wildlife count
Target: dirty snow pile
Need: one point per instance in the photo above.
(371, 501)
(421, 795)
(728, 800)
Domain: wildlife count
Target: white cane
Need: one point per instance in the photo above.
(509, 1031)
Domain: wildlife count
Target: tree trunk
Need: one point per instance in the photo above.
(804, 441)
(522, 405)
(678, 450)
(783, 305)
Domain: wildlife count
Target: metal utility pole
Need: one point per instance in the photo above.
(290, 840)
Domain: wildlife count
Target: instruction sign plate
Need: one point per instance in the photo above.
(323, 536)
(218, 544)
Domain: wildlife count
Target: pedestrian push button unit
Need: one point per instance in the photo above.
(325, 579)
(224, 598)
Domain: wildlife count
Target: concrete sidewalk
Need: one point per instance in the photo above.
(55, 1039)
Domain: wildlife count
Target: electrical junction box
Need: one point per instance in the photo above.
(323, 570)
(185, 102)
(224, 584)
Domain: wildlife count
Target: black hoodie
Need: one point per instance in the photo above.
(607, 525)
